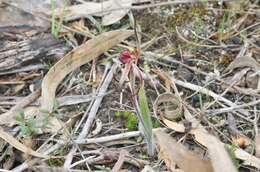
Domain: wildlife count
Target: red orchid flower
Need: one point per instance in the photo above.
(128, 57)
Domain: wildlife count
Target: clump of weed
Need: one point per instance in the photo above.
(27, 126)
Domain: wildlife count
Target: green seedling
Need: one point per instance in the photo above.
(224, 20)
(28, 127)
(131, 121)
(56, 26)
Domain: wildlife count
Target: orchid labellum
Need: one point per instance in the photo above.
(129, 58)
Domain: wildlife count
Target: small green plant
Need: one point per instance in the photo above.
(56, 26)
(131, 121)
(223, 24)
(156, 123)
(27, 126)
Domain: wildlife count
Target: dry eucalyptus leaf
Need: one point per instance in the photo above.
(218, 155)
(217, 152)
(116, 14)
(244, 61)
(172, 152)
(237, 137)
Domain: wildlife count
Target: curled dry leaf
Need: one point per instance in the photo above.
(175, 153)
(172, 107)
(171, 114)
(217, 151)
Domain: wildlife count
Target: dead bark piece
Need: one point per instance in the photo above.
(173, 152)
(13, 55)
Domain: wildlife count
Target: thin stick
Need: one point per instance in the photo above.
(109, 138)
(207, 92)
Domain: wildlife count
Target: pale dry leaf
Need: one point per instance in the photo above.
(147, 168)
(81, 10)
(15, 143)
(244, 61)
(35, 6)
(217, 152)
(111, 11)
(115, 14)
(172, 152)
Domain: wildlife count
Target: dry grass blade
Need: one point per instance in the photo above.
(173, 152)
(77, 57)
(15, 143)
